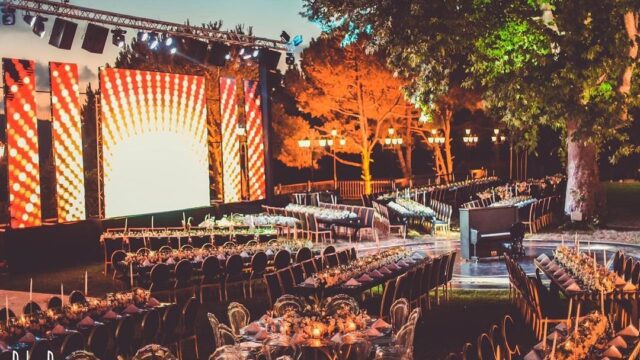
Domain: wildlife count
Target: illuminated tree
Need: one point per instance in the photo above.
(567, 64)
(347, 89)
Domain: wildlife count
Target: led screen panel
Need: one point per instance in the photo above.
(255, 141)
(231, 171)
(22, 142)
(154, 142)
(67, 141)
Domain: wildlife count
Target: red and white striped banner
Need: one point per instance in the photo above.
(22, 142)
(231, 178)
(67, 141)
(255, 144)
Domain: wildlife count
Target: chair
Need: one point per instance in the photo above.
(531, 221)
(169, 332)
(211, 277)
(516, 248)
(274, 290)
(72, 342)
(387, 298)
(309, 267)
(31, 307)
(303, 254)
(628, 268)
(635, 273)
(315, 231)
(286, 302)
(234, 274)
(125, 331)
(77, 297)
(3, 314)
(328, 250)
(98, 341)
(259, 262)
(442, 276)
(149, 327)
(188, 326)
(119, 270)
(469, 352)
(331, 260)
(343, 257)
(239, 317)
(54, 303)
(111, 245)
(509, 332)
(225, 334)
(285, 277)
(40, 349)
(154, 352)
(298, 273)
(160, 287)
(435, 276)
(486, 348)
(452, 262)
(183, 288)
(282, 259)
(81, 355)
(399, 314)
(414, 290)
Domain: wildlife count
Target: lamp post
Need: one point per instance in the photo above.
(392, 139)
(498, 139)
(307, 144)
(332, 143)
(469, 138)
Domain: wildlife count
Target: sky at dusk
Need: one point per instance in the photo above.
(267, 17)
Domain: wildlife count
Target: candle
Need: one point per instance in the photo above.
(589, 246)
(30, 289)
(6, 307)
(126, 221)
(562, 237)
(86, 283)
(62, 294)
(151, 222)
(604, 258)
(544, 335)
(569, 313)
(553, 347)
(315, 332)
(131, 273)
(602, 302)
(577, 317)
(575, 240)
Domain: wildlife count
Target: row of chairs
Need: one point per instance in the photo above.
(541, 213)
(499, 343)
(390, 224)
(442, 220)
(172, 326)
(366, 216)
(626, 267)
(283, 281)
(148, 352)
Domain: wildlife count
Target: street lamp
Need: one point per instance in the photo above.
(469, 138)
(436, 137)
(391, 139)
(498, 139)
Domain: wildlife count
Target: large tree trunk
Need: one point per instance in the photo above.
(583, 176)
(366, 172)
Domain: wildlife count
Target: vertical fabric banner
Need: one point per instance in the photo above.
(22, 142)
(255, 141)
(67, 141)
(231, 179)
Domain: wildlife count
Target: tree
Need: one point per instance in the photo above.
(347, 89)
(568, 64)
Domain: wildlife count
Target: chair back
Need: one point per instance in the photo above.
(399, 314)
(81, 355)
(234, 267)
(343, 257)
(124, 334)
(170, 322)
(54, 303)
(452, 262)
(98, 341)
(274, 290)
(183, 273)
(31, 307)
(40, 349)
(286, 302)
(331, 260)
(150, 326)
(309, 267)
(628, 268)
(285, 276)
(77, 297)
(486, 349)
(298, 273)
(189, 315)
(211, 270)
(154, 352)
(435, 272)
(72, 342)
(328, 250)
(160, 277)
(259, 262)
(239, 317)
(303, 254)
(282, 259)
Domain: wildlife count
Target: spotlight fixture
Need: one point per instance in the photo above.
(290, 59)
(168, 41)
(38, 25)
(118, 38)
(219, 53)
(29, 19)
(143, 36)
(8, 16)
(153, 41)
(297, 40)
(193, 50)
(255, 53)
(285, 37)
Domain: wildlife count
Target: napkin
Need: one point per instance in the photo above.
(561, 327)
(558, 273)
(269, 252)
(3, 346)
(262, 334)
(568, 283)
(372, 332)
(620, 281)
(618, 342)
(409, 261)
(146, 263)
(545, 261)
(352, 282)
(552, 267)
(539, 346)
(28, 338)
(380, 324)
(550, 337)
(310, 281)
(170, 261)
(629, 287)
(393, 267)
(532, 355)
(564, 278)
(58, 330)
(417, 256)
(365, 278)
(153, 302)
(131, 309)
(337, 338)
(613, 353)
(110, 315)
(376, 274)
(573, 287)
(542, 257)
(244, 254)
(87, 321)
(384, 270)
(629, 331)
(252, 328)
(401, 263)
(221, 257)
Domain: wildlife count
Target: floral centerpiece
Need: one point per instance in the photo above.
(324, 213)
(415, 207)
(585, 269)
(579, 344)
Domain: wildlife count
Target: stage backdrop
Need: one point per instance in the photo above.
(67, 141)
(154, 142)
(22, 142)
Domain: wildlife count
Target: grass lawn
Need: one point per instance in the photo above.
(622, 204)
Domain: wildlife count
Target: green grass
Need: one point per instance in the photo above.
(622, 204)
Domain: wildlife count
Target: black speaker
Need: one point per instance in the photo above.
(269, 58)
(63, 33)
(193, 49)
(94, 38)
(218, 53)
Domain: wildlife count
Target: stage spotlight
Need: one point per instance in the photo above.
(219, 53)
(38, 26)
(143, 36)
(29, 19)
(297, 40)
(256, 53)
(290, 59)
(118, 38)
(285, 37)
(62, 33)
(246, 53)
(193, 49)
(153, 41)
(8, 16)
(168, 41)
(95, 38)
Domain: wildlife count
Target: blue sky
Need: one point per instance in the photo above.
(267, 17)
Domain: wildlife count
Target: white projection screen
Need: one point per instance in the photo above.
(154, 142)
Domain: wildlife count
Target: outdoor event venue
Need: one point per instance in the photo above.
(319, 179)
